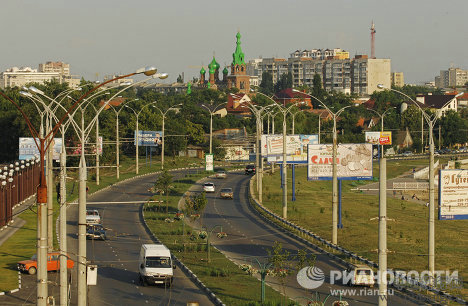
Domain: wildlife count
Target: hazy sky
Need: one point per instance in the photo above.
(104, 37)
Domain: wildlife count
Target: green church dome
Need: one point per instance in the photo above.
(202, 71)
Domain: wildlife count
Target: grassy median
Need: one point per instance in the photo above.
(232, 285)
(407, 231)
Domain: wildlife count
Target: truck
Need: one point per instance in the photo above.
(155, 265)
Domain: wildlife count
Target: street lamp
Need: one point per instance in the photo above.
(42, 145)
(284, 110)
(335, 115)
(431, 123)
(163, 114)
(212, 110)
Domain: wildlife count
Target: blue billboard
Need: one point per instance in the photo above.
(148, 138)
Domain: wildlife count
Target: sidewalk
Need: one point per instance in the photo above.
(16, 223)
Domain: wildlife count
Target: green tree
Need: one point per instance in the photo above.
(454, 129)
(163, 185)
(266, 86)
(195, 132)
(284, 82)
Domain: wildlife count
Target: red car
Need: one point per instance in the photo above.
(53, 263)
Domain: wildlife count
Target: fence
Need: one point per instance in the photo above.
(18, 182)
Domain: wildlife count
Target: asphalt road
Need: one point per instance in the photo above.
(117, 257)
(250, 237)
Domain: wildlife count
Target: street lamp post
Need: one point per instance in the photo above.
(42, 145)
(382, 218)
(212, 110)
(431, 222)
(334, 169)
(163, 115)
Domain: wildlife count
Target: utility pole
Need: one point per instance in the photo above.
(63, 225)
(50, 190)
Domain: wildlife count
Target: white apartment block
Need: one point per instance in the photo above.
(398, 79)
(47, 72)
(360, 75)
(453, 77)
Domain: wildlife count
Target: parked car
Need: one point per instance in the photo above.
(53, 263)
(226, 193)
(220, 174)
(92, 216)
(250, 169)
(96, 232)
(463, 149)
(360, 275)
(209, 187)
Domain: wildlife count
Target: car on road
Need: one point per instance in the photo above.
(156, 266)
(463, 149)
(250, 169)
(209, 187)
(226, 193)
(96, 232)
(407, 153)
(53, 263)
(360, 275)
(92, 216)
(220, 174)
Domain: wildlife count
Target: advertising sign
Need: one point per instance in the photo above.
(453, 194)
(354, 161)
(379, 138)
(148, 138)
(296, 147)
(29, 150)
(209, 165)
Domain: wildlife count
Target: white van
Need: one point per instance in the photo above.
(155, 265)
(360, 275)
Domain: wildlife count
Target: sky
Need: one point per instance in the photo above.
(106, 37)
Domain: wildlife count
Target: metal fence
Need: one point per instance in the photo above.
(18, 181)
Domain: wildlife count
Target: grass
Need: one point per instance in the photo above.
(232, 285)
(22, 245)
(407, 231)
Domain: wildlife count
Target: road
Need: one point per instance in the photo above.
(117, 257)
(249, 236)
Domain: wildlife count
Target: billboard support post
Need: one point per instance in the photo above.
(340, 224)
(293, 198)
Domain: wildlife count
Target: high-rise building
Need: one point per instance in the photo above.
(453, 77)
(398, 79)
(60, 67)
(359, 75)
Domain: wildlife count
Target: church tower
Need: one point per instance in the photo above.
(239, 78)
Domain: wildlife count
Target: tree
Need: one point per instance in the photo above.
(266, 86)
(454, 129)
(195, 132)
(284, 82)
(163, 185)
(317, 89)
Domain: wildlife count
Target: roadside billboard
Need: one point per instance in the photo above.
(354, 161)
(148, 138)
(296, 147)
(379, 138)
(29, 150)
(209, 165)
(453, 194)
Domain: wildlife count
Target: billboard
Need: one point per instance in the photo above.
(209, 162)
(29, 150)
(453, 194)
(354, 161)
(296, 147)
(379, 138)
(148, 138)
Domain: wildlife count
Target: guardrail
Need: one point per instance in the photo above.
(292, 227)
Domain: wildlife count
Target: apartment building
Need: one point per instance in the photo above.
(453, 77)
(47, 72)
(398, 79)
(359, 75)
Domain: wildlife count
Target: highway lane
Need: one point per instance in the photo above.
(117, 258)
(249, 236)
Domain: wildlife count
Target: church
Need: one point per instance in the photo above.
(238, 77)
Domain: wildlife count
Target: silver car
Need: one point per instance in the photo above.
(209, 187)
